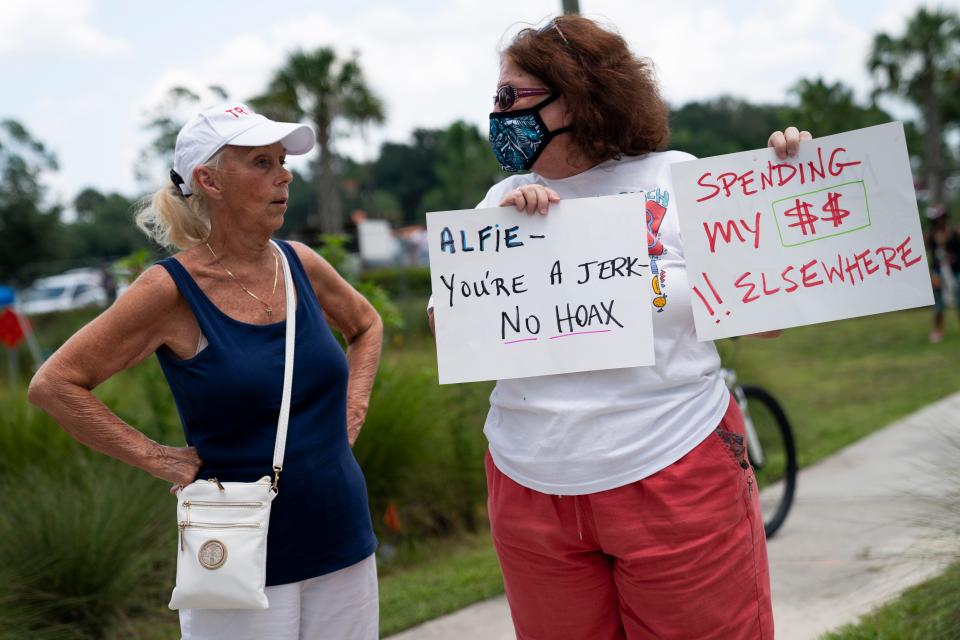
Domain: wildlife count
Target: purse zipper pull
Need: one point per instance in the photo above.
(217, 482)
(183, 525)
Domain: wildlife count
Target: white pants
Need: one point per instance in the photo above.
(343, 605)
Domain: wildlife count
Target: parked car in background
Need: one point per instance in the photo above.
(71, 290)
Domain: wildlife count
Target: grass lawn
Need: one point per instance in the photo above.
(450, 576)
(929, 611)
(841, 381)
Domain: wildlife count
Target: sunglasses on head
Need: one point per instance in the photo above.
(506, 96)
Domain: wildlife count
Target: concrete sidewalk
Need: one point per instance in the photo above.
(867, 523)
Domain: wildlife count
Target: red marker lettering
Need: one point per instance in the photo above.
(834, 273)
(904, 252)
(867, 262)
(763, 284)
(888, 262)
(851, 266)
(726, 233)
(836, 168)
(793, 284)
(780, 168)
(739, 284)
(727, 180)
(715, 188)
(808, 278)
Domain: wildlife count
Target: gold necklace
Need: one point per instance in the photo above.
(276, 270)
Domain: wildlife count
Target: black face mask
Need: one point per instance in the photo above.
(519, 137)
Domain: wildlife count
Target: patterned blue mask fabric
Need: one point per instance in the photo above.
(519, 137)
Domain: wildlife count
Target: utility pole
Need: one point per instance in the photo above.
(570, 7)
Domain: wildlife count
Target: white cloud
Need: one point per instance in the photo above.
(758, 54)
(52, 26)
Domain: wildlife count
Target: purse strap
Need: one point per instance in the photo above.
(288, 350)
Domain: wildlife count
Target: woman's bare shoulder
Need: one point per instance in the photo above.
(154, 290)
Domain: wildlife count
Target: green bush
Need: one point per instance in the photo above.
(401, 282)
(87, 541)
(85, 544)
(28, 436)
(421, 449)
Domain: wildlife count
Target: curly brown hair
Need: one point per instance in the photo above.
(611, 95)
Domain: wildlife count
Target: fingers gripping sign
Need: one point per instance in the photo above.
(786, 143)
(532, 198)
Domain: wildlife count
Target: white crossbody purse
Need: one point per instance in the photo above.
(222, 550)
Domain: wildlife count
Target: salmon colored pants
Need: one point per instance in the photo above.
(678, 555)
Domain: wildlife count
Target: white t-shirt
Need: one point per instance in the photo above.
(578, 433)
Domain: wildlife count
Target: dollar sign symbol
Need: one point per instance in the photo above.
(805, 219)
(833, 208)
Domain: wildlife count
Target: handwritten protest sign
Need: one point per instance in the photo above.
(832, 233)
(517, 295)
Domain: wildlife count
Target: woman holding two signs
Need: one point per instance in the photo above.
(621, 502)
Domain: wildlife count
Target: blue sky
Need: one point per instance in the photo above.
(80, 74)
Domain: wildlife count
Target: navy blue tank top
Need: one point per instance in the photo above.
(228, 396)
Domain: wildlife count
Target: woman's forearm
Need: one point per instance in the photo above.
(91, 423)
(363, 358)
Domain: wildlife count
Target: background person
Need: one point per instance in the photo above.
(621, 502)
(214, 314)
(943, 245)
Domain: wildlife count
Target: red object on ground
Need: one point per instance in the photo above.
(391, 518)
(11, 328)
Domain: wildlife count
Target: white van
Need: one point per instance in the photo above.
(71, 290)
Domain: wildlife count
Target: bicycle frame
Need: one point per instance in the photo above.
(754, 448)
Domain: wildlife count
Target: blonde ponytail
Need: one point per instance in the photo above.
(174, 221)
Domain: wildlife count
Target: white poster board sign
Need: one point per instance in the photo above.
(517, 295)
(830, 234)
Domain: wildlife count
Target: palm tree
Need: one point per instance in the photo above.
(916, 66)
(319, 88)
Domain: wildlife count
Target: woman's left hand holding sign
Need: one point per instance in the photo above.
(532, 198)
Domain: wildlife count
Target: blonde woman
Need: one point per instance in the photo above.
(214, 314)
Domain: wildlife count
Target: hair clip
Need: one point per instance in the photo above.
(177, 181)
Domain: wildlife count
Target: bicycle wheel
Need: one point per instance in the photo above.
(776, 468)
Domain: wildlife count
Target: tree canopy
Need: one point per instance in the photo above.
(29, 229)
(921, 65)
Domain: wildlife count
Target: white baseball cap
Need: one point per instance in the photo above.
(234, 124)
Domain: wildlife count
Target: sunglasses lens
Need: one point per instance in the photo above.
(504, 98)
